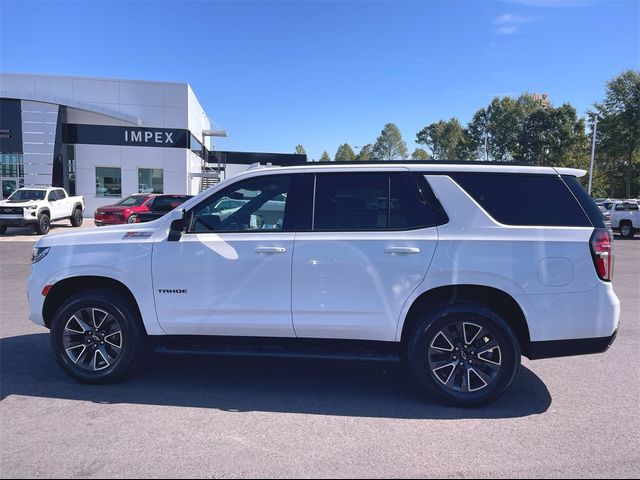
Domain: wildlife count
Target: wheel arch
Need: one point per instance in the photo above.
(490, 297)
(63, 289)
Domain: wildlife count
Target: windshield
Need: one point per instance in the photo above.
(27, 195)
(132, 201)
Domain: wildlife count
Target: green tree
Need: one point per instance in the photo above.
(554, 137)
(345, 153)
(325, 157)
(300, 150)
(420, 154)
(389, 145)
(618, 133)
(364, 154)
(499, 126)
(445, 139)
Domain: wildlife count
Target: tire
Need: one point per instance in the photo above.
(43, 225)
(99, 355)
(131, 219)
(627, 230)
(476, 374)
(3, 229)
(77, 218)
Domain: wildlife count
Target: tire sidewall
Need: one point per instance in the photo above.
(44, 224)
(77, 218)
(132, 336)
(432, 323)
(629, 231)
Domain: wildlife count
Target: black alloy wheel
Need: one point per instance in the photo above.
(97, 336)
(464, 354)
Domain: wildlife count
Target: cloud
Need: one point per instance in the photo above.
(551, 3)
(512, 30)
(509, 24)
(510, 19)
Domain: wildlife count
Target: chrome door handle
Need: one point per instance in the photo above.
(402, 250)
(270, 250)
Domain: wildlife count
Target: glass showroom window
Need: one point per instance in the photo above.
(108, 182)
(150, 180)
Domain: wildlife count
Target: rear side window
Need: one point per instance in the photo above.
(369, 202)
(524, 199)
(626, 206)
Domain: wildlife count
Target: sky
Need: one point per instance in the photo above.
(322, 73)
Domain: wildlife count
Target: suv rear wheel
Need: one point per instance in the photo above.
(464, 354)
(96, 336)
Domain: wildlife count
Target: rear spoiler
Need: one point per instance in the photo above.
(573, 172)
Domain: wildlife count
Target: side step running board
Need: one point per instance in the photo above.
(286, 348)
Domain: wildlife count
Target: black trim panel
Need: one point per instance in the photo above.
(570, 348)
(325, 349)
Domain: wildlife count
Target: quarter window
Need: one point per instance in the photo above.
(524, 199)
(255, 205)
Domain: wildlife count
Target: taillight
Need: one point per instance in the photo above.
(602, 252)
(138, 220)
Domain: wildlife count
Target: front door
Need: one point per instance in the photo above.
(9, 185)
(230, 274)
(371, 244)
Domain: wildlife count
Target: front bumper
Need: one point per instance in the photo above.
(16, 221)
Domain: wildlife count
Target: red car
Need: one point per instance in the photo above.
(125, 211)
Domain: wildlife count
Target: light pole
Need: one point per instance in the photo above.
(593, 152)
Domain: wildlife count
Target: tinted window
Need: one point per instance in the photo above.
(253, 205)
(369, 201)
(166, 204)
(627, 206)
(535, 200)
(132, 201)
(586, 202)
(60, 194)
(52, 196)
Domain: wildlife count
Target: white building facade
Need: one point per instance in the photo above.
(100, 138)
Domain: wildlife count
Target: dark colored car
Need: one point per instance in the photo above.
(125, 211)
(160, 205)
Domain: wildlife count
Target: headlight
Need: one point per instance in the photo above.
(30, 207)
(39, 253)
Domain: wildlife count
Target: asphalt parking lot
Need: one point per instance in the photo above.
(194, 417)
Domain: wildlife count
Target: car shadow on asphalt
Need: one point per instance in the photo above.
(240, 385)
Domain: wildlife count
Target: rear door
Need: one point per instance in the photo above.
(372, 239)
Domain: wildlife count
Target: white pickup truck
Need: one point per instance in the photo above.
(625, 218)
(39, 206)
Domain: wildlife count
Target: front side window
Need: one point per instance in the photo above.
(254, 205)
(108, 182)
(150, 180)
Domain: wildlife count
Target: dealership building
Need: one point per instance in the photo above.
(107, 138)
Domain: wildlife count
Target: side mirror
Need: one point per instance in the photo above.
(177, 228)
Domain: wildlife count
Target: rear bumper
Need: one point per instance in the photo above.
(568, 348)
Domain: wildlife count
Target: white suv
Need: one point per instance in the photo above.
(457, 269)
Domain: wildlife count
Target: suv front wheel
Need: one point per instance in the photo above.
(464, 354)
(97, 337)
